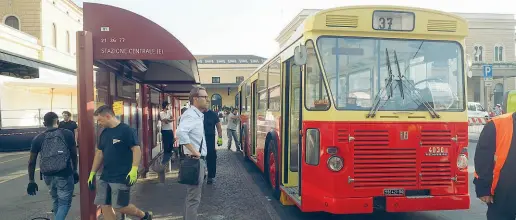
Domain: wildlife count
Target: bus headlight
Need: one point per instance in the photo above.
(335, 163)
(462, 161)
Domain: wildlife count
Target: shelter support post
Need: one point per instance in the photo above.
(86, 107)
(146, 148)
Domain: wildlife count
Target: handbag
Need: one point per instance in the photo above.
(189, 169)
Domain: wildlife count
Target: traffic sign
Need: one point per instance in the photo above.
(488, 71)
(488, 83)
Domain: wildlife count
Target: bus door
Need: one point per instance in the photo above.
(509, 101)
(291, 133)
(254, 100)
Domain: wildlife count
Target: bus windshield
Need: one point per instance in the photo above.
(357, 70)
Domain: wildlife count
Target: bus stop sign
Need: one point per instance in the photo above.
(488, 72)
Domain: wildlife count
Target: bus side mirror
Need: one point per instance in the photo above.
(300, 54)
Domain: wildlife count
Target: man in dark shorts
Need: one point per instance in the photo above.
(68, 124)
(119, 151)
(211, 120)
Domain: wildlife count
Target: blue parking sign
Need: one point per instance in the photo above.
(488, 71)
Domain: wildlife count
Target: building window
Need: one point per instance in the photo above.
(478, 53)
(498, 53)
(239, 79)
(54, 35)
(13, 22)
(215, 79)
(68, 41)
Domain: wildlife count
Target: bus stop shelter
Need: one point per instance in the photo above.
(129, 62)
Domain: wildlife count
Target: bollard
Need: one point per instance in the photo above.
(161, 176)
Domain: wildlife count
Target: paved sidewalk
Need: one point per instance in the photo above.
(233, 195)
(474, 132)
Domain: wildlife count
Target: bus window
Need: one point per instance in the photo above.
(316, 96)
(357, 69)
(275, 98)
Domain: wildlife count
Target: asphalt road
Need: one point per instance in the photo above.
(15, 204)
(477, 210)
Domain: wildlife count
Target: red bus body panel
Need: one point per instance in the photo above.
(380, 158)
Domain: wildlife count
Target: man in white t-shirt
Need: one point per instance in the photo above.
(167, 135)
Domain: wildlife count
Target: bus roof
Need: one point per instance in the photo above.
(308, 24)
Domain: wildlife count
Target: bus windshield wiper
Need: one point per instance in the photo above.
(400, 78)
(419, 100)
(388, 87)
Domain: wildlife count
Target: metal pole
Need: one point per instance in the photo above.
(39, 117)
(86, 107)
(51, 98)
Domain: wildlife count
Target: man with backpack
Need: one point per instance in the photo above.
(58, 164)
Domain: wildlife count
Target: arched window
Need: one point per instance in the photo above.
(68, 41)
(216, 102)
(13, 22)
(498, 53)
(478, 53)
(54, 35)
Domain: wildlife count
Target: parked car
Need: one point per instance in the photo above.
(476, 110)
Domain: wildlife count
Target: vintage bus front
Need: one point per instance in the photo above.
(384, 123)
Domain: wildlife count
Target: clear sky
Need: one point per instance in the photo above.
(250, 26)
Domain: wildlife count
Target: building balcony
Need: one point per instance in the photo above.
(18, 42)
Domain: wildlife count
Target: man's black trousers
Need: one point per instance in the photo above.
(211, 158)
(167, 137)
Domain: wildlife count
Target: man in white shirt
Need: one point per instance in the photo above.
(233, 121)
(191, 135)
(167, 135)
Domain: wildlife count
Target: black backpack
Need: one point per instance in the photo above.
(54, 153)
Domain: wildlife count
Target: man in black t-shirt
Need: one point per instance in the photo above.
(60, 183)
(119, 151)
(211, 120)
(68, 124)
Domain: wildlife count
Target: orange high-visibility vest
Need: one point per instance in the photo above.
(504, 128)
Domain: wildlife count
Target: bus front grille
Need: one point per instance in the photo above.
(436, 173)
(379, 165)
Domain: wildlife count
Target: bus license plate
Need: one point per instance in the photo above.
(394, 192)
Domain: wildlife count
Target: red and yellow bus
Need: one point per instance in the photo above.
(363, 109)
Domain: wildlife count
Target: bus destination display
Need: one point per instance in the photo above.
(393, 21)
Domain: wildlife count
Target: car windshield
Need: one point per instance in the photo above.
(357, 69)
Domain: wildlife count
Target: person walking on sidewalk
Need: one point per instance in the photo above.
(495, 164)
(67, 123)
(119, 151)
(58, 164)
(211, 120)
(233, 120)
(167, 135)
(191, 135)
